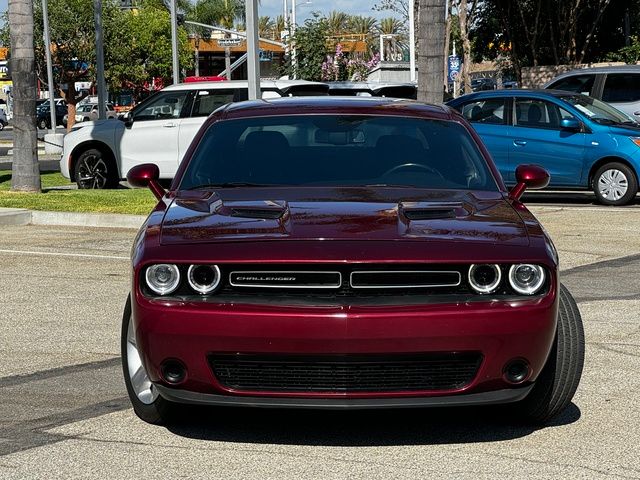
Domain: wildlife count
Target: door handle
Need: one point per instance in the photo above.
(519, 143)
(169, 125)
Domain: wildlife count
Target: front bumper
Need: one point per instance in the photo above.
(495, 397)
(500, 331)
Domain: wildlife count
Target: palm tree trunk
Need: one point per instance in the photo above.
(431, 34)
(25, 170)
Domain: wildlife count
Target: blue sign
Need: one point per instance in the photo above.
(454, 67)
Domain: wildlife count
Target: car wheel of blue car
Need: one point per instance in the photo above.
(147, 402)
(615, 184)
(559, 379)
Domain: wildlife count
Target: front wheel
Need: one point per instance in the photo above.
(94, 170)
(42, 124)
(145, 399)
(615, 184)
(559, 379)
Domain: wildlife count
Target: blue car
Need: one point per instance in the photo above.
(582, 142)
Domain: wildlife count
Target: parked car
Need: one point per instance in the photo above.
(480, 84)
(373, 89)
(43, 115)
(345, 253)
(618, 86)
(87, 112)
(158, 130)
(583, 142)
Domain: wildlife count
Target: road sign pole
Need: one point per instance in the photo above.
(412, 41)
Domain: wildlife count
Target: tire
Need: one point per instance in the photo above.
(615, 184)
(1, 126)
(559, 379)
(94, 170)
(148, 404)
(42, 124)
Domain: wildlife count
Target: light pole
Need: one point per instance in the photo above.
(196, 54)
(47, 48)
(253, 47)
(102, 87)
(174, 42)
(294, 60)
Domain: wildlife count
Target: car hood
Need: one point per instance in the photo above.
(107, 124)
(626, 130)
(242, 214)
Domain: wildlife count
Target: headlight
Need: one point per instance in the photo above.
(485, 278)
(163, 278)
(526, 279)
(203, 278)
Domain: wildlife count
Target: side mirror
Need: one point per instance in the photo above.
(529, 176)
(146, 175)
(570, 124)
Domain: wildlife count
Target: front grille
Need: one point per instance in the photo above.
(345, 373)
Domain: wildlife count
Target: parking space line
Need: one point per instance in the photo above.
(61, 254)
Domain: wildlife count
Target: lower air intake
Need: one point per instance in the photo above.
(346, 373)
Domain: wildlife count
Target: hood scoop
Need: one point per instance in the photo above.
(267, 210)
(417, 211)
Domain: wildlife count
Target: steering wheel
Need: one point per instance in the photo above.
(419, 166)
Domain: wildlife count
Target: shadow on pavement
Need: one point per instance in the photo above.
(360, 428)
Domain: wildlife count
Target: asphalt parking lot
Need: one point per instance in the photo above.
(65, 412)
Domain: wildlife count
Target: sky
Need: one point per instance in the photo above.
(273, 8)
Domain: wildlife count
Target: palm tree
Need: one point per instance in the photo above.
(337, 23)
(25, 170)
(266, 27)
(431, 52)
(361, 25)
(391, 26)
(280, 25)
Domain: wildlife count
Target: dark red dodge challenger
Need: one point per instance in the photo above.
(345, 253)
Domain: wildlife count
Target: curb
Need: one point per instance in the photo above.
(20, 216)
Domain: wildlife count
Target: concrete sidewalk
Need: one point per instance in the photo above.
(21, 216)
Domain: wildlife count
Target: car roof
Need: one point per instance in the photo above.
(337, 105)
(610, 69)
(511, 92)
(279, 84)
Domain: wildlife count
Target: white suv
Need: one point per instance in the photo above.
(158, 130)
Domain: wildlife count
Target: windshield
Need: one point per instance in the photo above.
(598, 111)
(338, 150)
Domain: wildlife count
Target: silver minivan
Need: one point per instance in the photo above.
(618, 86)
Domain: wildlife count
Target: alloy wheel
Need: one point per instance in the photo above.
(613, 184)
(142, 386)
(92, 172)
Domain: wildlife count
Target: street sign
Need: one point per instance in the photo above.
(229, 42)
(454, 67)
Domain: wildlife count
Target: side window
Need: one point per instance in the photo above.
(163, 106)
(490, 111)
(535, 113)
(621, 87)
(576, 83)
(207, 101)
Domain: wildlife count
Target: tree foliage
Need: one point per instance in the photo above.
(310, 41)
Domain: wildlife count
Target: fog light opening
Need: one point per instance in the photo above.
(516, 371)
(173, 371)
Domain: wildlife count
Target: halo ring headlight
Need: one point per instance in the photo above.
(485, 278)
(163, 278)
(204, 279)
(526, 278)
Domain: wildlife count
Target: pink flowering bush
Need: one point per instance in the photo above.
(339, 67)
